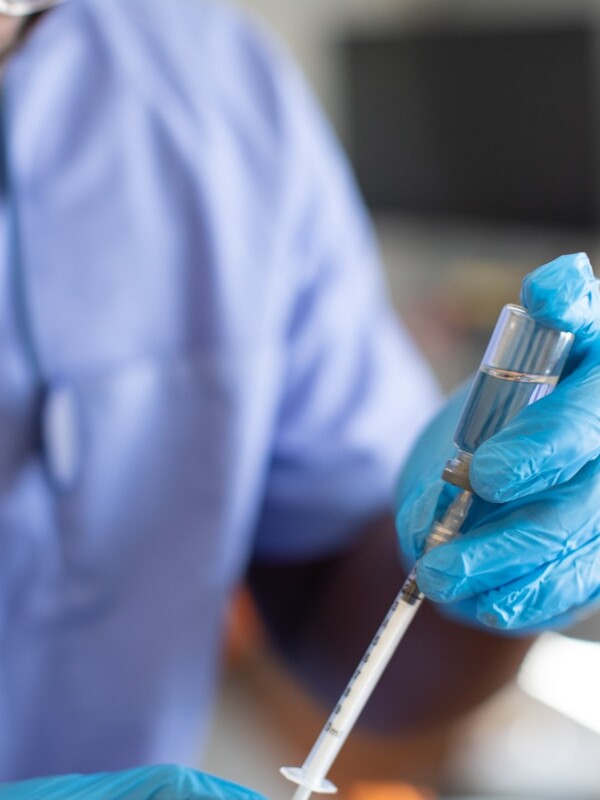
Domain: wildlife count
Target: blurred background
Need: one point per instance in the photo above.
(473, 129)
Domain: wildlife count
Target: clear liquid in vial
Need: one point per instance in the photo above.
(495, 398)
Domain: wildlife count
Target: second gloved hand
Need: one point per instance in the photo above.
(530, 556)
(167, 782)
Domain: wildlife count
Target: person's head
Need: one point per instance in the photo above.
(23, 8)
(17, 18)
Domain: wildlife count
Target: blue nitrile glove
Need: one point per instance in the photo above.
(530, 556)
(167, 782)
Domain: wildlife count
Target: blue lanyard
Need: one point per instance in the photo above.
(59, 410)
(17, 277)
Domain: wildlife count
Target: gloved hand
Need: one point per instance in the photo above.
(167, 782)
(530, 556)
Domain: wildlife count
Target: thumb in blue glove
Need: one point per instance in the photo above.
(530, 556)
(169, 782)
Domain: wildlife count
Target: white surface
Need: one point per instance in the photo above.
(564, 673)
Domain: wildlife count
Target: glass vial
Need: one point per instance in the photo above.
(522, 364)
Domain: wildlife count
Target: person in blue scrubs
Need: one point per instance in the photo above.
(201, 379)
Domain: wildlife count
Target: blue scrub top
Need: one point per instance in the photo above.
(198, 366)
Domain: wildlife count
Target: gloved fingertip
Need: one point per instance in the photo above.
(414, 519)
(498, 476)
(576, 307)
(490, 491)
(496, 617)
(435, 584)
(575, 268)
(492, 620)
(443, 559)
(491, 478)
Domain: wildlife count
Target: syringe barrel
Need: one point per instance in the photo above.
(522, 364)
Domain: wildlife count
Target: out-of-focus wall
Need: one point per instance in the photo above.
(447, 280)
(310, 28)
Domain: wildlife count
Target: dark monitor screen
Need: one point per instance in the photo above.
(493, 124)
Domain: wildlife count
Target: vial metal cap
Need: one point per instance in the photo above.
(456, 470)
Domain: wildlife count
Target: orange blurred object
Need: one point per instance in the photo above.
(244, 632)
(390, 790)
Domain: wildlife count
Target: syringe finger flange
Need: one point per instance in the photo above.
(301, 776)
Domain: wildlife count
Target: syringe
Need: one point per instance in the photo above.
(311, 775)
(522, 363)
